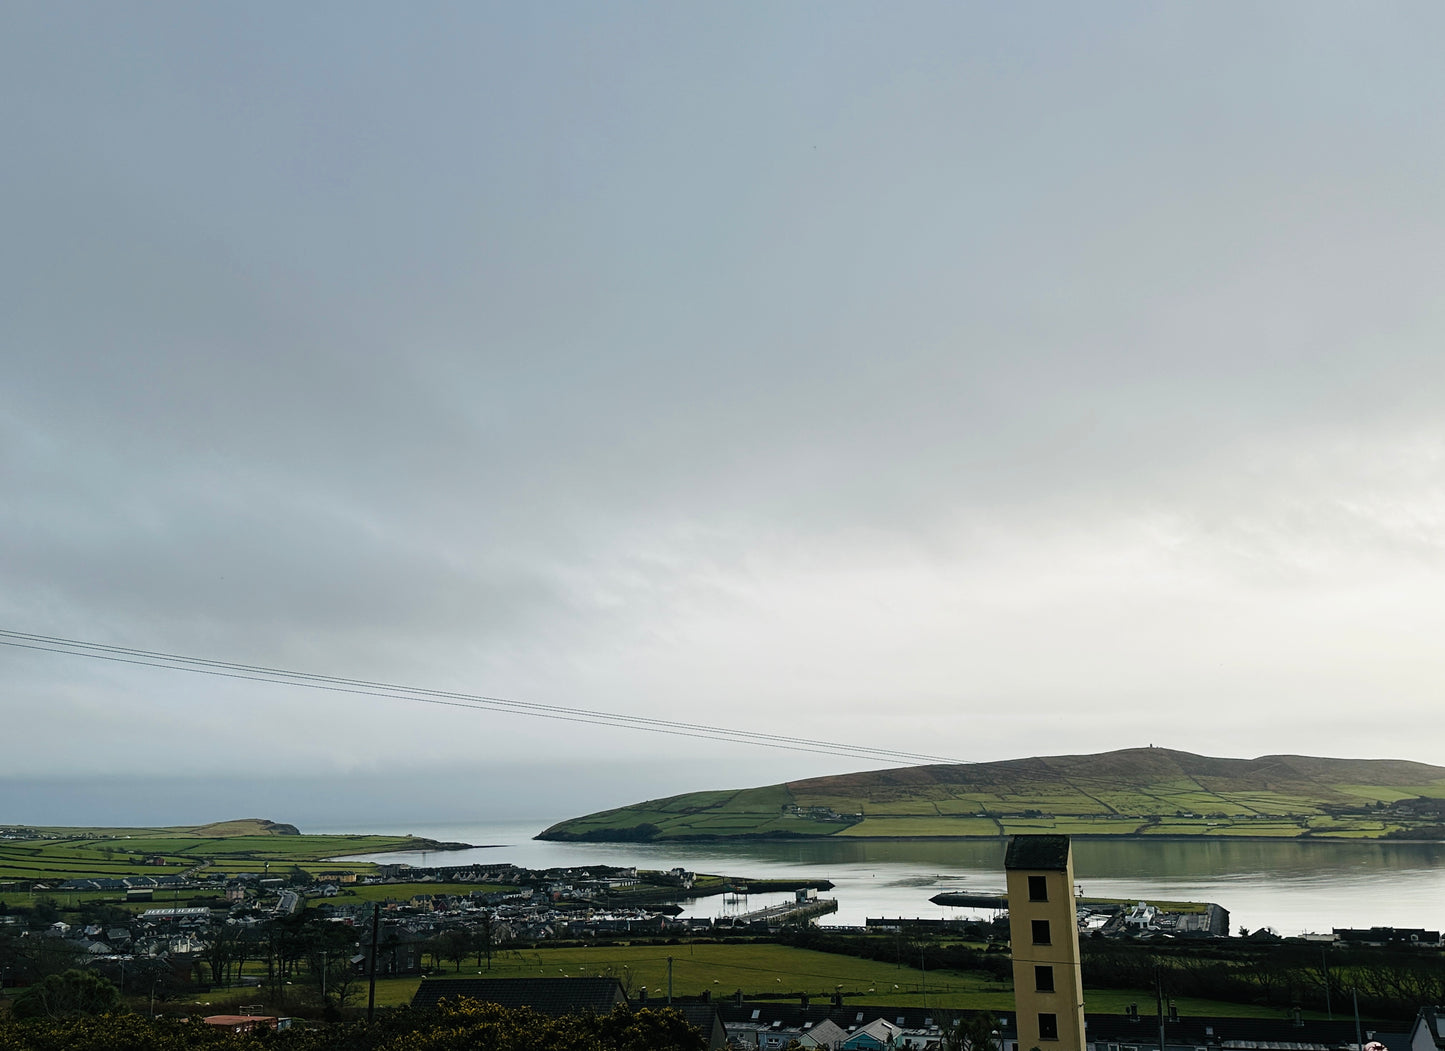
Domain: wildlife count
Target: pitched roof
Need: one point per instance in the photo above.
(552, 996)
(826, 1033)
(1221, 1032)
(795, 1016)
(880, 1029)
(705, 1018)
(1050, 853)
(1432, 1021)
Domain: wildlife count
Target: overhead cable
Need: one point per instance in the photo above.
(451, 698)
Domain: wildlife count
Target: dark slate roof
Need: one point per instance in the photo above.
(1393, 1041)
(551, 996)
(1220, 1032)
(789, 1014)
(1050, 853)
(705, 1018)
(1217, 1034)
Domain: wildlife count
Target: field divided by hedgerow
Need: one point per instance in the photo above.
(1151, 792)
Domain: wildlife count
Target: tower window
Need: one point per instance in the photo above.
(1041, 932)
(1048, 1027)
(1043, 979)
(1038, 888)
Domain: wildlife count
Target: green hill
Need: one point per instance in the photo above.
(30, 852)
(1132, 792)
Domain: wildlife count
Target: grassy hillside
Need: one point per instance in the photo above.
(248, 845)
(1133, 792)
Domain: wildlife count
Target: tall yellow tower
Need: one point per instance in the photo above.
(1044, 937)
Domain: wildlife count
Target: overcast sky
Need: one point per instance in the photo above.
(985, 380)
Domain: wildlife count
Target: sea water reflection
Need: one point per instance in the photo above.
(1293, 886)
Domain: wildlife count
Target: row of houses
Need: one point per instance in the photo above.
(773, 1025)
(95, 942)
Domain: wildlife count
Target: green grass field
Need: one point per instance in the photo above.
(228, 847)
(778, 970)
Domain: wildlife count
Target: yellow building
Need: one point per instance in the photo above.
(1044, 936)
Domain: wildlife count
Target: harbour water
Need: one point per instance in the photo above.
(1290, 885)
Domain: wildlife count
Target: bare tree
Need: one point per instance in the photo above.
(488, 936)
(455, 944)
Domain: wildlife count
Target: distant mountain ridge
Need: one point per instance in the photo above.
(1132, 792)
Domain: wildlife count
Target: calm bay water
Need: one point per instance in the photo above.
(1291, 886)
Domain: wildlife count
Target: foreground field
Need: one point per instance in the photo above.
(1135, 792)
(761, 971)
(767, 970)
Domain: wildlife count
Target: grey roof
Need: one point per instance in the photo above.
(552, 996)
(1224, 1032)
(705, 1018)
(1050, 853)
(1432, 1019)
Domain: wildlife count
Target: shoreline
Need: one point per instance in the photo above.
(1001, 837)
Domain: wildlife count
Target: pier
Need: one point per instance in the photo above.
(777, 915)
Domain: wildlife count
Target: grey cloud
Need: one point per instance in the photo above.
(647, 357)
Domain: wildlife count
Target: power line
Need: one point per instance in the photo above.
(450, 698)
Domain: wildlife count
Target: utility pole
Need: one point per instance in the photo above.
(1359, 1038)
(1159, 996)
(1325, 967)
(371, 965)
(669, 981)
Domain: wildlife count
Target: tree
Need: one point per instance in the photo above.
(484, 938)
(45, 912)
(454, 944)
(220, 950)
(463, 1025)
(650, 1029)
(624, 978)
(435, 948)
(10, 954)
(43, 956)
(342, 984)
(974, 1032)
(285, 944)
(68, 995)
(328, 948)
(101, 913)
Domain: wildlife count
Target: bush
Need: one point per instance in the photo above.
(72, 994)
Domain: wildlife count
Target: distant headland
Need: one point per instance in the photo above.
(1134, 792)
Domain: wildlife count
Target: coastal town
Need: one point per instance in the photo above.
(252, 938)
